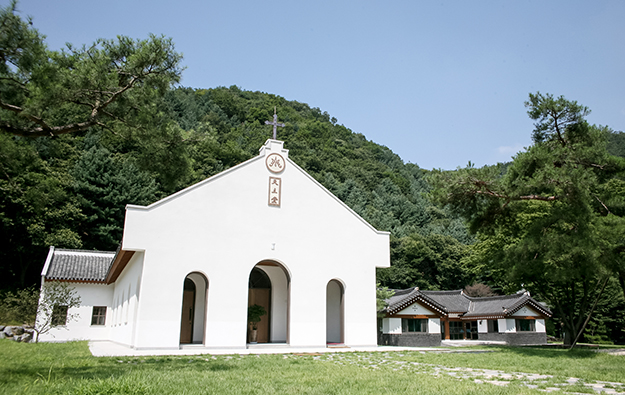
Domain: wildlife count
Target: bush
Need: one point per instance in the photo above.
(19, 307)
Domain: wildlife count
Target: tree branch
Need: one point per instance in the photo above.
(604, 206)
(20, 110)
(50, 131)
(511, 198)
(16, 82)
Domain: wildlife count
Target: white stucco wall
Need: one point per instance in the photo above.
(526, 311)
(540, 325)
(391, 326)
(510, 325)
(126, 297)
(482, 326)
(224, 226)
(81, 328)
(416, 309)
(501, 324)
(434, 325)
(199, 307)
(279, 303)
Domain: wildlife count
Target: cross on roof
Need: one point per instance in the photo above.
(275, 123)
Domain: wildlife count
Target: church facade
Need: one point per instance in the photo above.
(263, 232)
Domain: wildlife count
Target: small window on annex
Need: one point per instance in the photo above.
(414, 325)
(59, 315)
(493, 326)
(525, 326)
(98, 317)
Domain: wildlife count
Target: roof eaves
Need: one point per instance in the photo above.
(414, 297)
(118, 263)
(525, 301)
(46, 266)
(192, 187)
(77, 281)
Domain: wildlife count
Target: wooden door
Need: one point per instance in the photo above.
(261, 297)
(186, 322)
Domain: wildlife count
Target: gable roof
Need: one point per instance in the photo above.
(270, 146)
(406, 297)
(458, 304)
(106, 266)
(77, 265)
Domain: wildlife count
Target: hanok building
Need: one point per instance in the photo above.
(424, 318)
(264, 232)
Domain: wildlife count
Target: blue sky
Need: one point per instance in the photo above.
(440, 83)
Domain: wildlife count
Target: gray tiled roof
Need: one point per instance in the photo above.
(406, 297)
(495, 305)
(454, 301)
(399, 296)
(79, 265)
(446, 302)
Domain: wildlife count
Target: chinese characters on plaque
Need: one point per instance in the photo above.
(275, 184)
(275, 163)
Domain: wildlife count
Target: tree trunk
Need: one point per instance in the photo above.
(579, 334)
(621, 280)
(570, 331)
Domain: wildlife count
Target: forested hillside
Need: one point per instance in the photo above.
(70, 190)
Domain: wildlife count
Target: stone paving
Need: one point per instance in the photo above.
(541, 382)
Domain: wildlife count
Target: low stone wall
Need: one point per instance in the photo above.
(411, 340)
(434, 339)
(17, 333)
(525, 338)
(493, 337)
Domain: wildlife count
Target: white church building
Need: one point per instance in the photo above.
(263, 232)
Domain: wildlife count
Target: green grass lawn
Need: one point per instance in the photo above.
(69, 368)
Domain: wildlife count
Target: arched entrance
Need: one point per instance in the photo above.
(334, 312)
(269, 287)
(194, 302)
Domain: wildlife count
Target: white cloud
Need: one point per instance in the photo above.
(505, 153)
(508, 150)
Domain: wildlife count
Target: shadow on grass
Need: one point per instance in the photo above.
(30, 363)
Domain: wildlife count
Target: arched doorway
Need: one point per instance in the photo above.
(194, 302)
(269, 287)
(334, 312)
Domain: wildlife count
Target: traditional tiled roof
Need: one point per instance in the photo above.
(406, 297)
(399, 295)
(77, 265)
(456, 303)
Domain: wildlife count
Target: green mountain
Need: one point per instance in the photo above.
(70, 191)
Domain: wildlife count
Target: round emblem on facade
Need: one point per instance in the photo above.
(275, 163)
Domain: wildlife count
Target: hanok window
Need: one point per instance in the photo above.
(98, 317)
(525, 325)
(59, 315)
(493, 326)
(414, 325)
